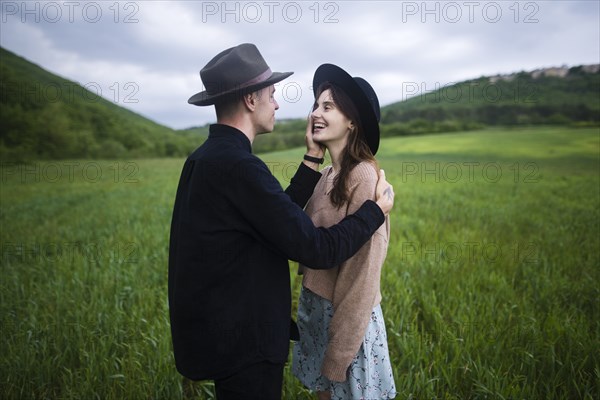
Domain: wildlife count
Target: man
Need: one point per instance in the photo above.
(233, 231)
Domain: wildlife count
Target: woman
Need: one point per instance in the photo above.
(342, 352)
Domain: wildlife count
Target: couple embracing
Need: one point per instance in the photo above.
(234, 228)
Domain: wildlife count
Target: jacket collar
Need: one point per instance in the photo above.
(232, 134)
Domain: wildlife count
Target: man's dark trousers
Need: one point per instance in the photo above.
(261, 381)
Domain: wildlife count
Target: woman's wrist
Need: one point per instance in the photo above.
(314, 158)
(312, 164)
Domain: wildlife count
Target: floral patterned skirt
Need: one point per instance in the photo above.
(370, 373)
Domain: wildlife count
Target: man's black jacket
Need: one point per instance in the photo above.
(232, 233)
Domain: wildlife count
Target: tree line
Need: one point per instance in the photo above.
(35, 123)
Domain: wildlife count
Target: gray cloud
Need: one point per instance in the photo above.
(151, 52)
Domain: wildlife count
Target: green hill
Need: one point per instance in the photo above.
(551, 96)
(44, 116)
(556, 96)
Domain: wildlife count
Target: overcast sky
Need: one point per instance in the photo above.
(146, 55)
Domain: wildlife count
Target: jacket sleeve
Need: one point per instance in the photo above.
(282, 224)
(355, 293)
(302, 185)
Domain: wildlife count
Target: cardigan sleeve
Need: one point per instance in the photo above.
(357, 288)
(284, 227)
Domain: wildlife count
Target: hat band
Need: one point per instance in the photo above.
(217, 87)
(257, 79)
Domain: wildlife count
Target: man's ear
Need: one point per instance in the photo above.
(249, 100)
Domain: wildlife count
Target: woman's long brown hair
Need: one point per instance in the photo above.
(356, 149)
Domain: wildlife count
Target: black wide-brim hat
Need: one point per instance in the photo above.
(362, 95)
(235, 71)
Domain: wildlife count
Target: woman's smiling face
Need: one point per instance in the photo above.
(330, 125)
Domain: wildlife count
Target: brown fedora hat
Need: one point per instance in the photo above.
(237, 70)
(362, 95)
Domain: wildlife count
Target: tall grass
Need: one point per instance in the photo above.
(490, 287)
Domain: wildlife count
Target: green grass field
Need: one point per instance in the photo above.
(490, 287)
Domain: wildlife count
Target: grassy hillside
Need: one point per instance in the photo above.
(43, 116)
(490, 285)
(514, 100)
(519, 99)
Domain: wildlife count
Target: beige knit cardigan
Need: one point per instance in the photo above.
(352, 287)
